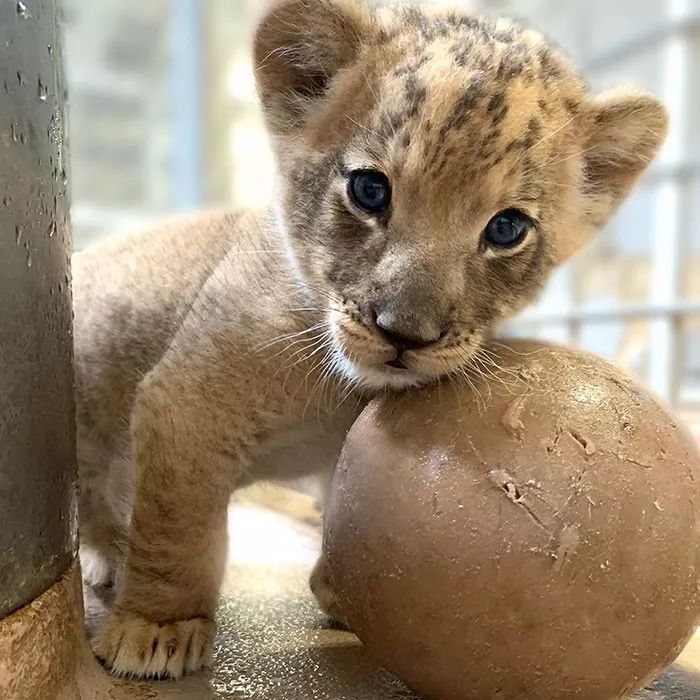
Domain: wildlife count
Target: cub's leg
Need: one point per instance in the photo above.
(162, 623)
(319, 581)
(323, 592)
(104, 504)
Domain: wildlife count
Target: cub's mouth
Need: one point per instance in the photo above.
(391, 374)
(364, 357)
(398, 363)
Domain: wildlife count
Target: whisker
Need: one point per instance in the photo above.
(550, 163)
(362, 126)
(512, 350)
(309, 344)
(288, 336)
(548, 136)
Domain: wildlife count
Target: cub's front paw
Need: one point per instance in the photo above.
(132, 646)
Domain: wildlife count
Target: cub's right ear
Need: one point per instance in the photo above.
(299, 46)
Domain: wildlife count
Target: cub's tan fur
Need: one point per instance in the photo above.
(220, 350)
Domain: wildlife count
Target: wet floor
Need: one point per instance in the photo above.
(274, 644)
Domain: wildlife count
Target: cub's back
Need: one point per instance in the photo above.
(130, 296)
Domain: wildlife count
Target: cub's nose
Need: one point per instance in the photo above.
(406, 333)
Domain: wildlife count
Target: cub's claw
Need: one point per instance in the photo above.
(132, 646)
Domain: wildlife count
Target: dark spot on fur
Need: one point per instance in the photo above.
(445, 157)
(507, 71)
(383, 36)
(514, 145)
(572, 106)
(416, 93)
(464, 107)
(534, 130)
(496, 102)
(544, 107)
(411, 67)
(551, 68)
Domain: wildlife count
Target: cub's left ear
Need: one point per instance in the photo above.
(626, 129)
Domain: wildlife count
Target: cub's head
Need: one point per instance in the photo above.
(435, 168)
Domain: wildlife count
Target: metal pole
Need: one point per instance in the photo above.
(37, 438)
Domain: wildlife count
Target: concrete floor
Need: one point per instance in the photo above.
(273, 644)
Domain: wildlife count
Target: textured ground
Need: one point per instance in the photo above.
(274, 644)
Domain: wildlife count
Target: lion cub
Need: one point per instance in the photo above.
(434, 169)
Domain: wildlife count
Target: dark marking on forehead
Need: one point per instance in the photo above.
(512, 65)
(528, 140)
(413, 16)
(506, 35)
(383, 36)
(497, 108)
(551, 68)
(531, 193)
(415, 93)
(497, 160)
(527, 167)
(445, 156)
(514, 145)
(572, 106)
(464, 107)
(534, 131)
(464, 22)
(545, 107)
(485, 32)
(461, 53)
(411, 66)
(496, 102)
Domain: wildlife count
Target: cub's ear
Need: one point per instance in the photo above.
(626, 129)
(299, 46)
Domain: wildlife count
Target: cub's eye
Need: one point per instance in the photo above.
(508, 228)
(370, 190)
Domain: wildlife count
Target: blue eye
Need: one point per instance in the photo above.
(508, 228)
(370, 190)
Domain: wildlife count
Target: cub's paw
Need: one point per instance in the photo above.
(132, 646)
(98, 570)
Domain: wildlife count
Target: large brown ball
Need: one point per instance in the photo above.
(536, 537)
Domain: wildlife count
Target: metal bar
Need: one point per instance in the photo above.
(673, 171)
(611, 314)
(186, 103)
(668, 227)
(645, 41)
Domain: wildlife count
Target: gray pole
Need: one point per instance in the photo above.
(37, 454)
